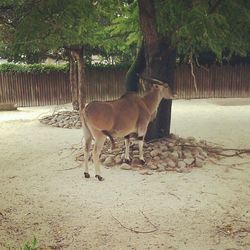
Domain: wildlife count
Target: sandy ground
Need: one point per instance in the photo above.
(208, 208)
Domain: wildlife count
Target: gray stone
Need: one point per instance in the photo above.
(155, 152)
(171, 163)
(108, 161)
(180, 154)
(161, 168)
(164, 155)
(191, 138)
(163, 148)
(136, 161)
(146, 172)
(153, 167)
(174, 155)
(199, 162)
(125, 166)
(103, 157)
(189, 161)
(164, 164)
(135, 152)
(157, 158)
(181, 164)
(118, 159)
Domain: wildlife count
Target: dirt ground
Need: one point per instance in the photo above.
(208, 208)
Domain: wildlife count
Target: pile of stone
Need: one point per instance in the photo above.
(166, 154)
(63, 119)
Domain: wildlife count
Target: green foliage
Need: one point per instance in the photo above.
(222, 27)
(30, 246)
(30, 29)
(33, 68)
(48, 68)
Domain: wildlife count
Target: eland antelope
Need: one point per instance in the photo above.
(128, 115)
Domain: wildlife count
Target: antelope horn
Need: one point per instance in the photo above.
(152, 79)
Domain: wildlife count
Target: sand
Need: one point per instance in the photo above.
(208, 208)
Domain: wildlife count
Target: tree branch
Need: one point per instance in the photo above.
(214, 7)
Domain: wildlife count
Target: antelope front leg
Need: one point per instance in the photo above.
(140, 145)
(127, 158)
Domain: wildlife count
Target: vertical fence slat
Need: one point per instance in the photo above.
(32, 89)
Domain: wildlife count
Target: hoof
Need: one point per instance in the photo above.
(142, 162)
(86, 175)
(99, 177)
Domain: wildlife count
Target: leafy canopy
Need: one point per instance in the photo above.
(192, 27)
(33, 29)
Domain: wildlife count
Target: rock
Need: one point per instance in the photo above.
(125, 166)
(78, 125)
(164, 155)
(183, 170)
(189, 161)
(204, 154)
(191, 138)
(194, 152)
(173, 136)
(118, 159)
(122, 156)
(164, 164)
(103, 157)
(202, 157)
(146, 172)
(153, 167)
(174, 155)
(198, 162)
(157, 158)
(155, 152)
(108, 161)
(181, 164)
(187, 154)
(61, 124)
(137, 156)
(180, 154)
(135, 152)
(163, 148)
(136, 161)
(160, 168)
(171, 163)
(203, 142)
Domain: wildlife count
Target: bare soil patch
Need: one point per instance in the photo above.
(207, 208)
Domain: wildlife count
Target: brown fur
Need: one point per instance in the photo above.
(129, 114)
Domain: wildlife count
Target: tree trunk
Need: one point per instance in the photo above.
(160, 64)
(163, 69)
(73, 75)
(138, 66)
(78, 54)
(82, 81)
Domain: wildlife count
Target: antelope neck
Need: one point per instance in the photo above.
(152, 100)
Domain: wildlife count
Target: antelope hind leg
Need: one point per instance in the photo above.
(87, 144)
(99, 142)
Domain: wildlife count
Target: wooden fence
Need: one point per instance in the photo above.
(33, 89)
